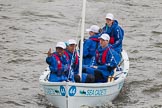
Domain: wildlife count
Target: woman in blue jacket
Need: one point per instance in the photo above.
(115, 32)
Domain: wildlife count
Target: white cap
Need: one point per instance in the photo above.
(93, 28)
(61, 45)
(71, 41)
(110, 16)
(105, 37)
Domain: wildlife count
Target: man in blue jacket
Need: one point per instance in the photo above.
(90, 45)
(58, 63)
(73, 60)
(115, 32)
(106, 60)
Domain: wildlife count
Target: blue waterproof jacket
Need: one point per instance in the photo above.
(89, 47)
(116, 34)
(57, 73)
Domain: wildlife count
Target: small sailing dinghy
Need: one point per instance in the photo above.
(75, 95)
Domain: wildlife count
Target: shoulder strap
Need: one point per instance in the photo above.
(104, 55)
(97, 55)
(59, 65)
(67, 55)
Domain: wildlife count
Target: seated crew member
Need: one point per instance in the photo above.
(115, 32)
(91, 44)
(73, 61)
(106, 60)
(58, 63)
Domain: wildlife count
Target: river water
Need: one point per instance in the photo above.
(30, 27)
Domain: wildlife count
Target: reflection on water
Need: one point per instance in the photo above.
(30, 27)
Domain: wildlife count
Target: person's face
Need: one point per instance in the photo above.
(91, 33)
(109, 22)
(60, 51)
(71, 48)
(103, 43)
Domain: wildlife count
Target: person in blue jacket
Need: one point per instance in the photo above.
(90, 45)
(106, 60)
(73, 61)
(58, 63)
(115, 32)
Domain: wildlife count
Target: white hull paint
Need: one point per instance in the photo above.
(74, 95)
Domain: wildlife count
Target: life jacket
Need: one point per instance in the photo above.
(103, 59)
(68, 57)
(59, 63)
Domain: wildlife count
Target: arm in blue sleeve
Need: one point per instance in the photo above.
(53, 69)
(119, 37)
(49, 60)
(86, 48)
(103, 67)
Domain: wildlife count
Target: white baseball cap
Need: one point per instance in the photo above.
(93, 28)
(61, 45)
(71, 41)
(110, 16)
(105, 37)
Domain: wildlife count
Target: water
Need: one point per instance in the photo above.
(30, 27)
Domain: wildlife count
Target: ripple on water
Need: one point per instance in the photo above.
(37, 14)
(158, 44)
(22, 53)
(153, 89)
(157, 106)
(140, 82)
(25, 88)
(13, 102)
(43, 101)
(19, 61)
(4, 17)
(7, 79)
(14, 28)
(157, 32)
(25, 102)
(134, 51)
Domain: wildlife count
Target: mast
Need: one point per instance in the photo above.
(82, 37)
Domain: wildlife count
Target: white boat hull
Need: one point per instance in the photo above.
(74, 95)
